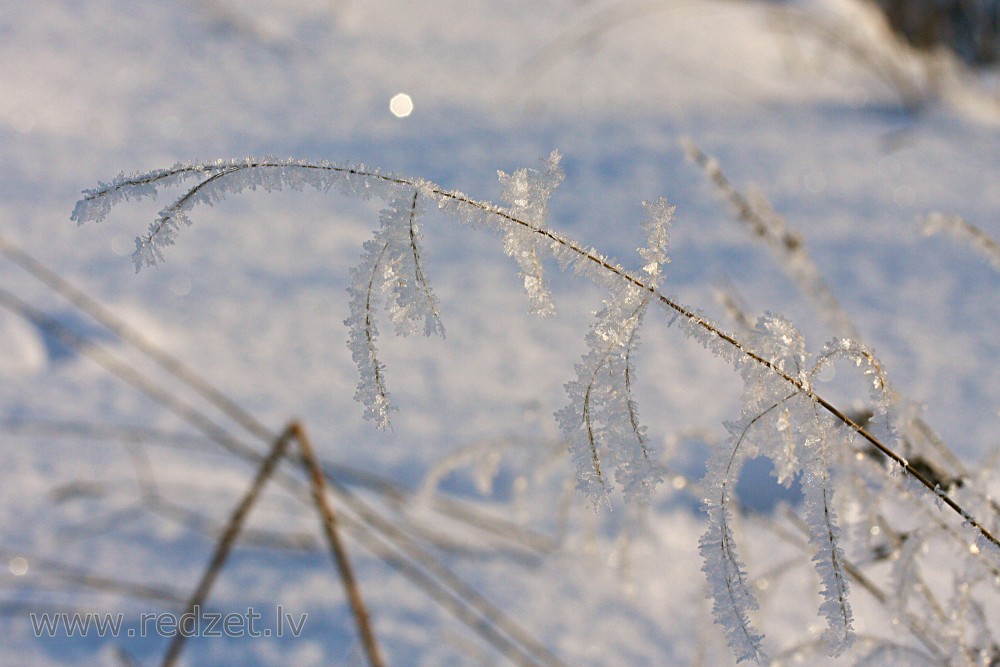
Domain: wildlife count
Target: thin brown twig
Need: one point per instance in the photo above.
(339, 553)
(228, 539)
(444, 587)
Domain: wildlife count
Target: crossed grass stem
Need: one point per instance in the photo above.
(382, 537)
(293, 432)
(504, 536)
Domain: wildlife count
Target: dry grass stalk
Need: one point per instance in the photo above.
(340, 559)
(228, 538)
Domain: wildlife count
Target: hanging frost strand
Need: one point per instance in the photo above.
(390, 267)
(732, 598)
(732, 595)
(363, 332)
(828, 559)
(601, 421)
(413, 302)
(527, 191)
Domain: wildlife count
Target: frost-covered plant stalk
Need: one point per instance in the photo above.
(782, 416)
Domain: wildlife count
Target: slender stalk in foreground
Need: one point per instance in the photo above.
(339, 553)
(444, 587)
(228, 539)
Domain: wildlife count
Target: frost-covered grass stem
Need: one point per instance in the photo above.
(96, 204)
(601, 420)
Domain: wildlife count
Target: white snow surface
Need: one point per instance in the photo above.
(253, 296)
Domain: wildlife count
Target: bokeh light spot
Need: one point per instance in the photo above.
(401, 105)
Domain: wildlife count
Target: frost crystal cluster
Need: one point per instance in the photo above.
(601, 421)
(390, 266)
(527, 191)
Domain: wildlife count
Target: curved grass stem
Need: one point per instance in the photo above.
(215, 172)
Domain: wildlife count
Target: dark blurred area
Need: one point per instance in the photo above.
(969, 28)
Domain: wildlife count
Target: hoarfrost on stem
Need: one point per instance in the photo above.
(782, 417)
(790, 429)
(217, 179)
(601, 420)
(527, 191)
(390, 266)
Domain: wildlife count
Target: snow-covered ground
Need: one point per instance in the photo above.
(253, 297)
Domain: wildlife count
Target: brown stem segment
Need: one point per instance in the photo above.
(294, 431)
(227, 540)
(337, 550)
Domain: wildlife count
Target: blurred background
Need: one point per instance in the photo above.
(854, 119)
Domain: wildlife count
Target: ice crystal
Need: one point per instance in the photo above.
(731, 592)
(390, 267)
(601, 420)
(527, 191)
(780, 420)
